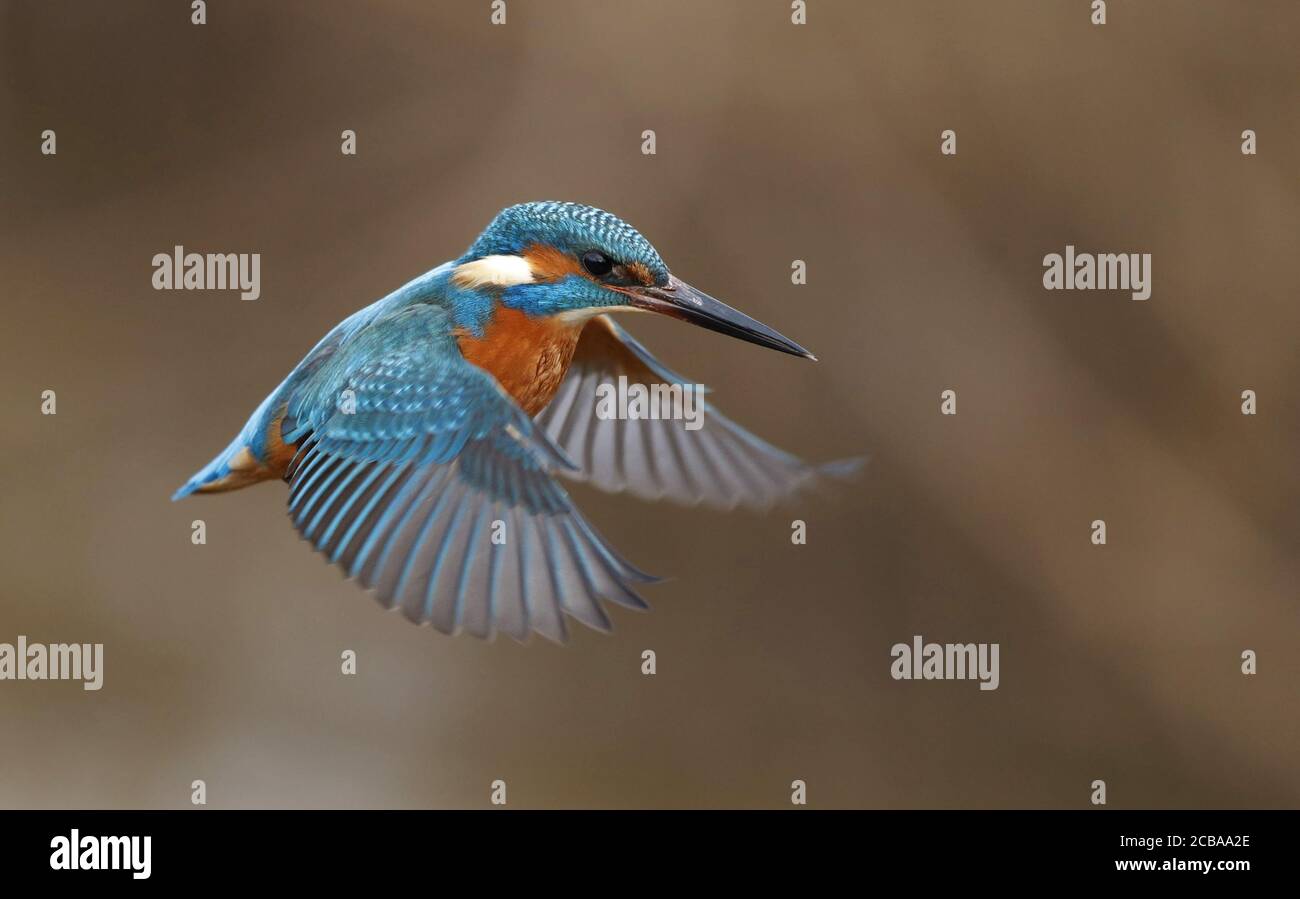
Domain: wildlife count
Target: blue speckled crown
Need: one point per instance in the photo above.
(570, 227)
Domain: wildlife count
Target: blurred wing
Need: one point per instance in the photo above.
(720, 464)
(423, 480)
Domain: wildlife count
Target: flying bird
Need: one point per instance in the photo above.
(422, 437)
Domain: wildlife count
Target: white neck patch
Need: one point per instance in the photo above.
(493, 271)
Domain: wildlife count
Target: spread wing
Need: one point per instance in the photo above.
(418, 476)
(719, 464)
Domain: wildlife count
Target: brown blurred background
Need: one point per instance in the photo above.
(775, 143)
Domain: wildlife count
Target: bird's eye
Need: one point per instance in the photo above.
(597, 263)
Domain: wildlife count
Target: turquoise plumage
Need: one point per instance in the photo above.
(422, 437)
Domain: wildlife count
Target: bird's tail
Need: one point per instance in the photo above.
(222, 473)
(237, 465)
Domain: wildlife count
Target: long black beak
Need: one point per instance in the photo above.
(680, 300)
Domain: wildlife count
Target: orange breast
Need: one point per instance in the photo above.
(527, 355)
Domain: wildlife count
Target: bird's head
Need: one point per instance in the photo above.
(565, 259)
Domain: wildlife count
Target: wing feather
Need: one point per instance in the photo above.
(720, 464)
(407, 483)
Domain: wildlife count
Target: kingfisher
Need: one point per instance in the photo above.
(424, 438)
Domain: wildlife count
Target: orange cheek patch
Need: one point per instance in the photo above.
(549, 264)
(640, 272)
